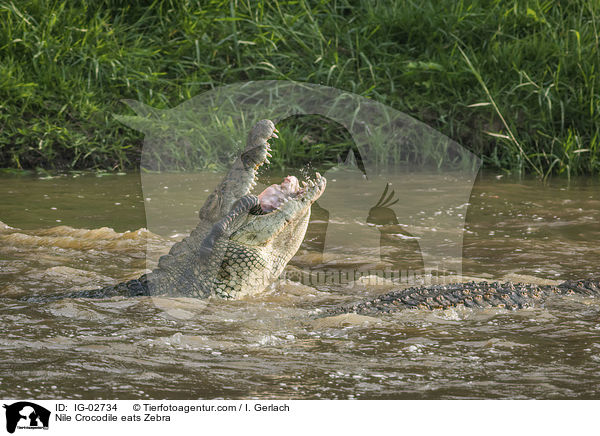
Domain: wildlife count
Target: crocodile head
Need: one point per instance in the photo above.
(262, 243)
(262, 240)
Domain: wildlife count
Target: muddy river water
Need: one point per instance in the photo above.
(64, 233)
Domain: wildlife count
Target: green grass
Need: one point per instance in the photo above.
(516, 82)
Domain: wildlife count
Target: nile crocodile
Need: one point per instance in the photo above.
(242, 242)
(471, 294)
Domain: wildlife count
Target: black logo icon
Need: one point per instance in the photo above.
(26, 415)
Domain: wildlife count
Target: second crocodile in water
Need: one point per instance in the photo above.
(471, 294)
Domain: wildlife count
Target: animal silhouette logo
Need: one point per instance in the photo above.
(26, 415)
(395, 241)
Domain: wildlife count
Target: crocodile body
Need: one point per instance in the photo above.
(472, 294)
(242, 242)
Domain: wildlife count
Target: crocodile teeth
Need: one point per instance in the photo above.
(267, 161)
(311, 183)
(318, 175)
(269, 154)
(304, 184)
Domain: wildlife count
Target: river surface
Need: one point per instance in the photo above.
(72, 232)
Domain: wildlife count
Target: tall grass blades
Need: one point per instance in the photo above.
(516, 82)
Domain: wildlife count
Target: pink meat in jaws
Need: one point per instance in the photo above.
(272, 197)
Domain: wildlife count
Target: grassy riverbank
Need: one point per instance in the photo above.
(516, 82)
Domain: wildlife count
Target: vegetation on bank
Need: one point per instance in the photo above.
(516, 82)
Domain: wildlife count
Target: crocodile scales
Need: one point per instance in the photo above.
(471, 294)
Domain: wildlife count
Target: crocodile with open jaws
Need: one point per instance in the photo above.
(243, 242)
